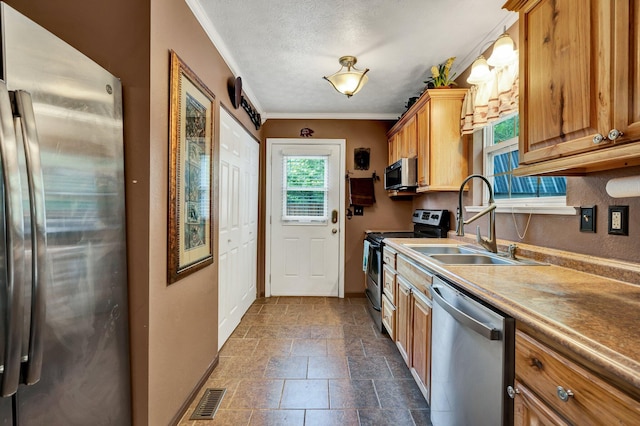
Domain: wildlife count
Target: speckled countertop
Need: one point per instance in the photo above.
(598, 318)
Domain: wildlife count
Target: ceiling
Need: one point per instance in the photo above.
(283, 48)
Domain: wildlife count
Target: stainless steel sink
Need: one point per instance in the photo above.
(432, 249)
(472, 259)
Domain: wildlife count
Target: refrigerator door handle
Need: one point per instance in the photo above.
(25, 119)
(14, 228)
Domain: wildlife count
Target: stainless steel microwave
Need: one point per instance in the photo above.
(401, 175)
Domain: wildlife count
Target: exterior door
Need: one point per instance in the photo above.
(237, 224)
(305, 238)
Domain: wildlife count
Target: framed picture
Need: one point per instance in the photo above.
(190, 170)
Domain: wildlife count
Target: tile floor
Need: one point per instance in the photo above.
(312, 361)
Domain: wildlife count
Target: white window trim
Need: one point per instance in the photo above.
(539, 205)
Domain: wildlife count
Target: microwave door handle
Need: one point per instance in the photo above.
(14, 248)
(25, 120)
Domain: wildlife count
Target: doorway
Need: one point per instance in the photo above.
(305, 217)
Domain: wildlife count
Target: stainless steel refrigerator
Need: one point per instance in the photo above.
(64, 343)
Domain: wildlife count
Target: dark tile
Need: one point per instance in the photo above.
(401, 393)
(287, 367)
(265, 300)
(289, 300)
(421, 417)
(238, 347)
(273, 310)
(257, 394)
(352, 394)
(305, 394)
(273, 347)
(277, 417)
(359, 331)
(358, 300)
(328, 367)
(379, 347)
(256, 319)
(240, 331)
(314, 300)
(242, 366)
(292, 331)
(370, 417)
(225, 417)
(398, 368)
(349, 347)
(285, 319)
(331, 418)
(309, 347)
(324, 331)
(263, 332)
(368, 367)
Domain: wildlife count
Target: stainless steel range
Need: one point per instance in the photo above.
(426, 224)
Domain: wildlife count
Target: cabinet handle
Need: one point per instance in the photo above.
(614, 134)
(563, 394)
(512, 392)
(597, 138)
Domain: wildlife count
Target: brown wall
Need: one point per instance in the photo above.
(385, 214)
(183, 336)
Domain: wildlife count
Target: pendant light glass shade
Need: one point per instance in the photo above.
(480, 72)
(349, 81)
(503, 52)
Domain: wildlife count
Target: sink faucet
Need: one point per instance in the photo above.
(490, 243)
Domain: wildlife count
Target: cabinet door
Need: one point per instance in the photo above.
(421, 347)
(395, 143)
(409, 139)
(626, 80)
(529, 410)
(423, 123)
(565, 75)
(403, 319)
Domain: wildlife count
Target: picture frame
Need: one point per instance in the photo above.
(191, 129)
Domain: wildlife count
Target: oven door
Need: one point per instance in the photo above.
(374, 266)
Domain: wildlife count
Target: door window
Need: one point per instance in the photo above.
(305, 188)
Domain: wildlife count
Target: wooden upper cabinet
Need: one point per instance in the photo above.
(430, 130)
(578, 85)
(442, 151)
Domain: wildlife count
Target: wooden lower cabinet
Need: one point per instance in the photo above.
(551, 388)
(530, 410)
(421, 345)
(389, 316)
(403, 319)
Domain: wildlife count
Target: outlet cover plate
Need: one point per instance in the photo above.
(618, 220)
(588, 219)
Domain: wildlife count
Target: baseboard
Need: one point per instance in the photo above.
(354, 294)
(194, 393)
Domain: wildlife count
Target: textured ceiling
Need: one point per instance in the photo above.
(283, 48)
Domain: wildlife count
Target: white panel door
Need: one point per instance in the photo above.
(237, 224)
(304, 241)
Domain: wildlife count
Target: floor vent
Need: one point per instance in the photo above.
(208, 405)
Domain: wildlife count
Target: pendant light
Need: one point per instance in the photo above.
(480, 72)
(503, 52)
(349, 81)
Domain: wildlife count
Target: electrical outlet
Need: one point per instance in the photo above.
(588, 219)
(358, 210)
(619, 220)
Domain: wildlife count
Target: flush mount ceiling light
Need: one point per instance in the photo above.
(503, 54)
(349, 81)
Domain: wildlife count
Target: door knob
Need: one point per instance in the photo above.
(334, 231)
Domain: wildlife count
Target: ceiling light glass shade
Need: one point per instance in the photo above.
(349, 81)
(480, 72)
(503, 52)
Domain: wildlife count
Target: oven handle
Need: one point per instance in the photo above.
(373, 305)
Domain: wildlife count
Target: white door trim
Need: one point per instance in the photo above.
(341, 211)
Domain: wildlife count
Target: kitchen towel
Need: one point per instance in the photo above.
(361, 192)
(365, 256)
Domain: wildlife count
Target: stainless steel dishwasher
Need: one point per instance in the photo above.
(472, 360)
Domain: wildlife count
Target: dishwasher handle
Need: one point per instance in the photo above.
(464, 319)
